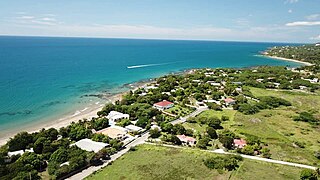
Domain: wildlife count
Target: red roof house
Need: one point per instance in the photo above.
(229, 101)
(187, 139)
(163, 105)
(239, 143)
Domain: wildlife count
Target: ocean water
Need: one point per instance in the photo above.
(44, 78)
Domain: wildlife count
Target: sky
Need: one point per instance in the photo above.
(296, 21)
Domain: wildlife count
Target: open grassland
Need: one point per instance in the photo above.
(156, 162)
(277, 129)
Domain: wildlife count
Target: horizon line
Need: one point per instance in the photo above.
(164, 39)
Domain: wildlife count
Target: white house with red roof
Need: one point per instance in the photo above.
(163, 105)
(239, 143)
(187, 140)
(229, 101)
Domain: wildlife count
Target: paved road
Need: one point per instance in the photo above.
(221, 151)
(91, 169)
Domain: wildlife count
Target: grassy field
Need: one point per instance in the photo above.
(179, 110)
(210, 113)
(156, 162)
(276, 127)
(278, 130)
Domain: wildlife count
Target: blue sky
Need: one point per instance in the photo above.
(230, 20)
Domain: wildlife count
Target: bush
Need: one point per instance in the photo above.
(308, 174)
(229, 162)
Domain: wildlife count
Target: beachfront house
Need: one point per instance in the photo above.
(239, 143)
(163, 105)
(89, 145)
(115, 132)
(187, 140)
(116, 116)
(19, 152)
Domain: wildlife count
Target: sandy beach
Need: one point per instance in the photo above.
(87, 113)
(286, 59)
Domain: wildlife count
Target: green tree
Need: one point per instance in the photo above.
(212, 132)
(308, 174)
(155, 133)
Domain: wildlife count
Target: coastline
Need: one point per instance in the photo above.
(287, 59)
(68, 119)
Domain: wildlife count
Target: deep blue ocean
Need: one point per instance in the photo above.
(45, 78)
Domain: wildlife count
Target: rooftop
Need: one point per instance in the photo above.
(163, 103)
(89, 145)
(114, 131)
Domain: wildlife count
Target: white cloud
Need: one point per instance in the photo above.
(290, 11)
(315, 38)
(313, 17)
(291, 1)
(32, 20)
(26, 17)
(304, 23)
(48, 19)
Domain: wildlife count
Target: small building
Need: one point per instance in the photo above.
(19, 152)
(133, 128)
(163, 105)
(148, 88)
(229, 101)
(89, 145)
(116, 116)
(15, 153)
(187, 140)
(212, 101)
(239, 143)
(115, 132)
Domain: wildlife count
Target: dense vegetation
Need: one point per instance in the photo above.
(308, 53)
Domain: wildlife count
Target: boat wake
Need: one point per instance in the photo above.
(148, 65)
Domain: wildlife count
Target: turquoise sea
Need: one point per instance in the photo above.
(45, 78)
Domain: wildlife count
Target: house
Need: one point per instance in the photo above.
(148, 88)
(115, 132)
(133, 128)
(163, 105)
(15, 153)
(229, 101)
(116, 116)
(317, 44)
(239, 143)
(89, 145)
(187, 140)
(212, 83)
(19, 152)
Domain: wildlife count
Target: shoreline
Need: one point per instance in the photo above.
(74, 117)
(287, 59)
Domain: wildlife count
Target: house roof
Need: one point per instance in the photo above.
(229, 100)
(185, 138)
(163, 103)
(114, 131)
(133, 128)
(89, 145)
(240, 142)
(117, 115)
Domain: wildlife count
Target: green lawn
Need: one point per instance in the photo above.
(156, 162)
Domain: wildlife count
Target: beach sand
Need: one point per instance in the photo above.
(86, 113)
(286, 59)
